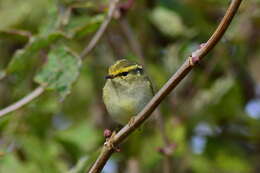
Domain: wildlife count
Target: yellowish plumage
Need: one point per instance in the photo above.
(127, 90)
(122, 66)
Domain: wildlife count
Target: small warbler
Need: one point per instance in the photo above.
(127, 90)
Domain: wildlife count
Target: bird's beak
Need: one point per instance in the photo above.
(109, 77)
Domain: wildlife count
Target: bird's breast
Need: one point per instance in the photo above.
(124, 100)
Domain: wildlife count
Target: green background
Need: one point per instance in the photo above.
(211, 121)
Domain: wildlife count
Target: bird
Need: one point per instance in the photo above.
(126, 91)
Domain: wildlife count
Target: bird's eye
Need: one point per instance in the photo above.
(140, 70)
(124, 73)
(108, 77)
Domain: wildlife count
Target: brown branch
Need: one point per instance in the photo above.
(101, 30)
(108, 148)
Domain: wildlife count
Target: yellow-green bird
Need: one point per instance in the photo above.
(127, 90)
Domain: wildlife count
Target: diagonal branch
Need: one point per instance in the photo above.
(108, 148)
(37, 92)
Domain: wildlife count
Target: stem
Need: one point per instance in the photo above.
(131, 38)
(37, 92)
(101, 30)
(165, 90)
(167, 160)
(19, 32)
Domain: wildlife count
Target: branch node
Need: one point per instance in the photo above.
(109, 144)
(107, 133)
(193, 60)
(202, 45)
(195, 56)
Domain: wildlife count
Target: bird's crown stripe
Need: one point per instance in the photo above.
(125, 69)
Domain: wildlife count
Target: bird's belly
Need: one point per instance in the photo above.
(122, 106)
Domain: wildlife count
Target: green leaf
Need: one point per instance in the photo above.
(52, 22)
(2, 74)
(82, 135)
(17, 13)
(25, 57)
(42, 153)
(81, 26)
(228, 162)
(10, 163)
(12, 14)
(60, 71)
(215, 93)
(168, 22)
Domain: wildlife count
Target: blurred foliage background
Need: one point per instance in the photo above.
(210, 123)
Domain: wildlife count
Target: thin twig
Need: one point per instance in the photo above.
(18, 32)
(109, 146)
(167, 160)
(131, 38)
(38, 91)
(101, 30)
